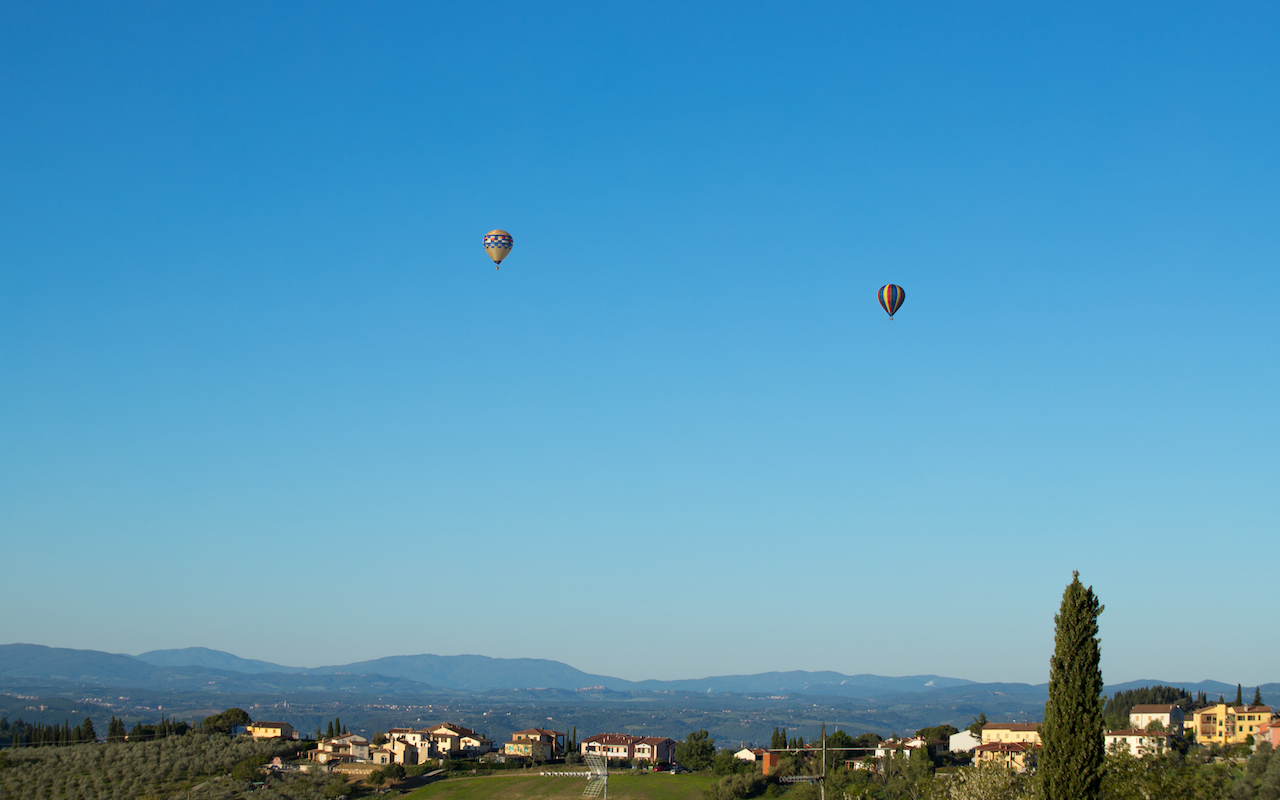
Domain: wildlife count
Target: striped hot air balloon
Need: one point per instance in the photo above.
(891, 297)
(498, 245)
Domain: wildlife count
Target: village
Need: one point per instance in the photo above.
(1153, 730)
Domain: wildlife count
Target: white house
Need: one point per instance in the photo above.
(1138, 742)
(346, 748)
(936, 746)
(963, 742)
(1170, 717)
(891, 746)
(750, 754)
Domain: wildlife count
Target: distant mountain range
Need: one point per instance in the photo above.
(203, 670)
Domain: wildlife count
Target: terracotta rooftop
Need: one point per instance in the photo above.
(1003, 747)
(457, 729)
(612, 738)
(1157, 709)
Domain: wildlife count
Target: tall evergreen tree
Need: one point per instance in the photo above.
(1071, 764)
(979, 722)
(1257, 696)
(1239, 697)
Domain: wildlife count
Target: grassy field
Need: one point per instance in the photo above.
(648, 786)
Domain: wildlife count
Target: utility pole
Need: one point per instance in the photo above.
(823, 782)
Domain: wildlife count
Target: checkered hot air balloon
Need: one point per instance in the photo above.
(891, 298)
(498, 245)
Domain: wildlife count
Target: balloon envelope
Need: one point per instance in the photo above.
(498, 245)
(891, 297)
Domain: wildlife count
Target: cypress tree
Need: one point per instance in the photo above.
(1239, 697)
(1257, 696)
(329, 731)
(1071, 764)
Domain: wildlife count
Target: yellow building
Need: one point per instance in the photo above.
(1017, 756)
(1225, 724)
(1009, 732)
(536, 742)
(271, 730)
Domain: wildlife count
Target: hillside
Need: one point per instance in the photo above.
(212, 659)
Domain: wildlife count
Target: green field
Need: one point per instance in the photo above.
(647, 786)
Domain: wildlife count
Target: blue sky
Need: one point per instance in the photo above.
(251, 346)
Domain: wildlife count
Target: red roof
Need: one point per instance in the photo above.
(1003, 747)
(612, 738)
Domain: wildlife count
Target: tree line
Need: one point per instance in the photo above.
(28, 734)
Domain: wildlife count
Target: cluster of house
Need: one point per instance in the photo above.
(409, 746)
(1151, 731)
(1013, 744)
(403, 746)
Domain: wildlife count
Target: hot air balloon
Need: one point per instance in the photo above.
(498, 245)
(891, 297)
